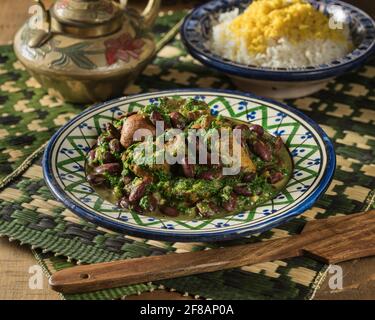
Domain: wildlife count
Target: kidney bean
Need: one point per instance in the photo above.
(214, 207)
(153, 203)
(242, 190)
(96, 179)
(169, 211)
(124, 202)
(257, 129)
(262, 150)
(108, 157)
(103, 139)
(156, 116)
(249, 177)
(126, 180)
(278, 144)
(197, 212)
(242, 127)
(110, 168)
(177, 120)
(187, 168)
(137, 208)
(92, 155)
(211, 175)
(230, 205)
(219, 175)
(207, 211)
(275, 177)
(207, 175)
(114, 145)
(113, 132)
(138, 192)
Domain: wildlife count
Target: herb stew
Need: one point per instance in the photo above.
(184, 190)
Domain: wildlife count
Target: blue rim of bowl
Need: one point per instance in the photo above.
(350, 62)
(60, 194)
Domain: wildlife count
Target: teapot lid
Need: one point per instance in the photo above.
(86, 18)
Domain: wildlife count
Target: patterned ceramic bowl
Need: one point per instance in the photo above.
(279, 82)
(311, 151)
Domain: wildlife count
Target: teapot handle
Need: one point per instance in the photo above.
(150, 13)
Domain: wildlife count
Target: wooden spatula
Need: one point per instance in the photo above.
(329, 240)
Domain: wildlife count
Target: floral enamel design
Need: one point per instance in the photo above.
(123, 48)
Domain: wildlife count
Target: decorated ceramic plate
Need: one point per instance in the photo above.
(309, 147)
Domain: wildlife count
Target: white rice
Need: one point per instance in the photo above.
(279, 54)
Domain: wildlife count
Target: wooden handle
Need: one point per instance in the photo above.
(118, 273)
(322, 239)
(351, 237)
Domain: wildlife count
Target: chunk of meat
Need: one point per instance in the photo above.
(131, 125)
(204, 123)
(149, 165)
(149, 170)
(243, 159)
(247, 164)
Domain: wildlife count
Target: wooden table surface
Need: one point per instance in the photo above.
(359, 275)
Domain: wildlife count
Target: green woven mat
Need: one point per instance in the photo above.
(29, 213)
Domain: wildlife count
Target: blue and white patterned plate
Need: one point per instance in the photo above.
(311, 150)
(196, 33)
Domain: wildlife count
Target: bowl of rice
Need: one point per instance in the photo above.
(280, 48)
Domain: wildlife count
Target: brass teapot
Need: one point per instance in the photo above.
(87, 50)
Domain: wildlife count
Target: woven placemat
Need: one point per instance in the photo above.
(29, 213)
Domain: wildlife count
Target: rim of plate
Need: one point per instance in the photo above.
(335, 68)
(199, 235)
